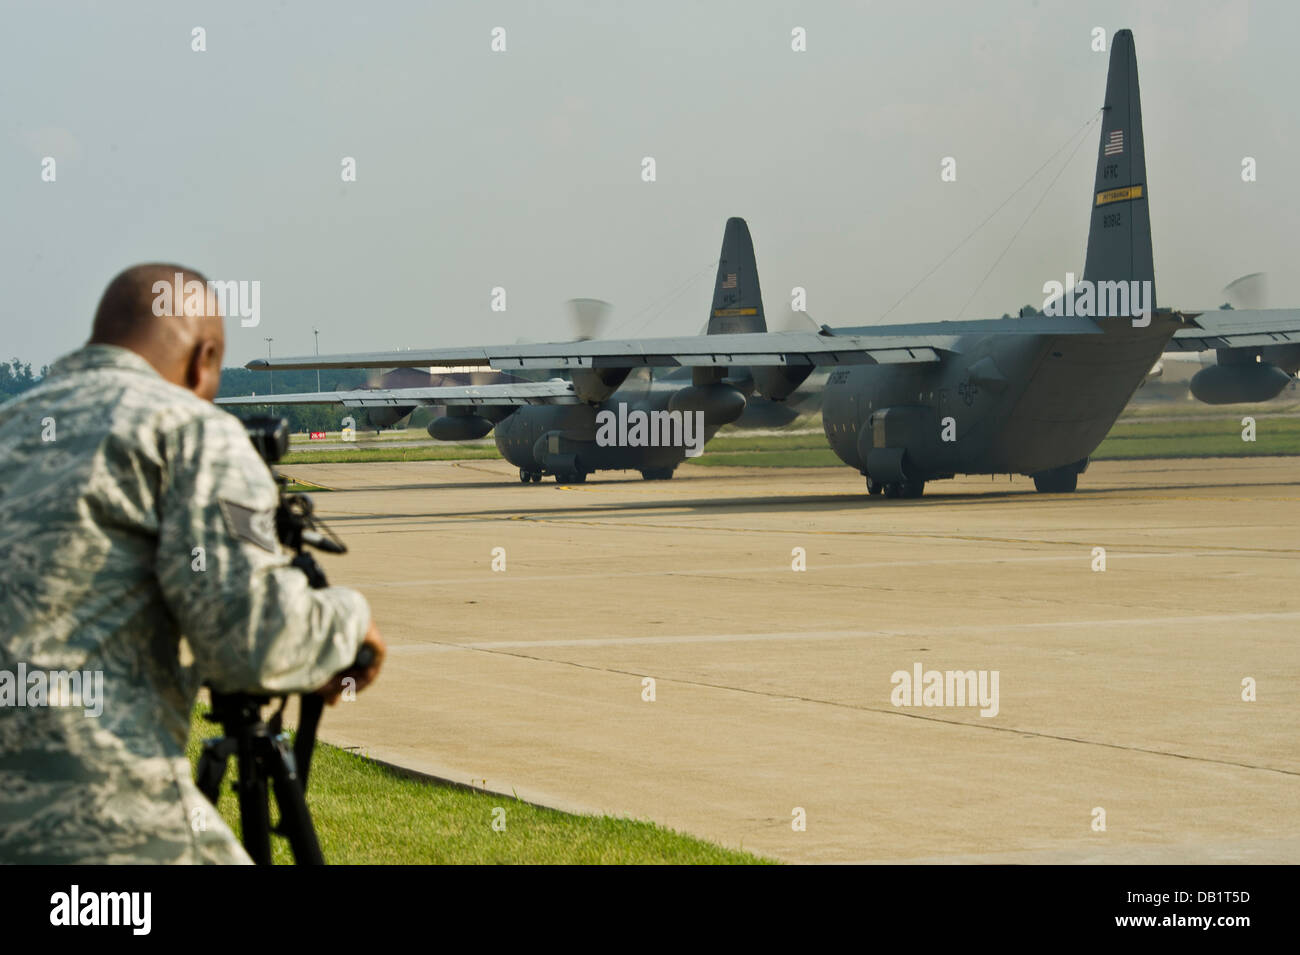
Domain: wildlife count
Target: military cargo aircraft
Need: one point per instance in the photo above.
(913, 403)
(554, 427)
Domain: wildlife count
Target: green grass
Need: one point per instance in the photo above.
(370, 437)
(1182, 407)
(1180, 436)
(773, 442)
(1199, 438)
(363, 454)
(367, 813)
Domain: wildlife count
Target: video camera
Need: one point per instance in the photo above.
(270, 436)
(295, 521)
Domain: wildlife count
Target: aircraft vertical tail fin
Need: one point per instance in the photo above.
(1119, 239)
(737, 299)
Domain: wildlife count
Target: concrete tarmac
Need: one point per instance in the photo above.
(1120, 691)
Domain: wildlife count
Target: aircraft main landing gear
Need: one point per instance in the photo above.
(903, 489)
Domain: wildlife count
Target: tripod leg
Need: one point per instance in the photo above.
(295, 817)
(310, 707)
(212, 767)
(254, 813)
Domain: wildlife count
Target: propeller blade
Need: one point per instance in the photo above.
(792, 321)
(588, 316)
(1249, 291)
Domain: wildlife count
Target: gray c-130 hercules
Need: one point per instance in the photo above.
(554, 427)
(907, 404)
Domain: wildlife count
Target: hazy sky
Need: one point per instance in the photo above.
(523, 169)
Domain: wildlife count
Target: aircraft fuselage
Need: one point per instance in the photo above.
(995, 405)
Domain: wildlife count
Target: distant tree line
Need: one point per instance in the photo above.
(16, 377)
(242, 381)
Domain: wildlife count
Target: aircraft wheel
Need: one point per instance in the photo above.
(874, 486)
(537, 477)
(579, 477)
(1058, 481)
(893, 490)
(913, 489)
(524, 476)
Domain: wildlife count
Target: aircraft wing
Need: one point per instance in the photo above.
(881, 345)
(512, 394)
(1237, 328)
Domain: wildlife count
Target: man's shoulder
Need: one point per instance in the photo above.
(108, 390)
(115, 379)
(148, 410)
(178, 408)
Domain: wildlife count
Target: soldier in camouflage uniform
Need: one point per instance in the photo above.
(137, 539)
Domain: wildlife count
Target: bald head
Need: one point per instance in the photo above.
(167, 315)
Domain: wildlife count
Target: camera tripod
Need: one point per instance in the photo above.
(263, 756)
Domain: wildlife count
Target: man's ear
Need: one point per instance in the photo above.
(203, 371)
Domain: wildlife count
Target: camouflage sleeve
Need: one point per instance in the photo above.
(251, 620)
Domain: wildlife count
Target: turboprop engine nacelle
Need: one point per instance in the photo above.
(464, 427)
(386, 417)
(721, 404)
(1227, 384)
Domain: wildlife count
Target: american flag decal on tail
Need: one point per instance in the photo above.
(1115, 143)
(729, 281)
